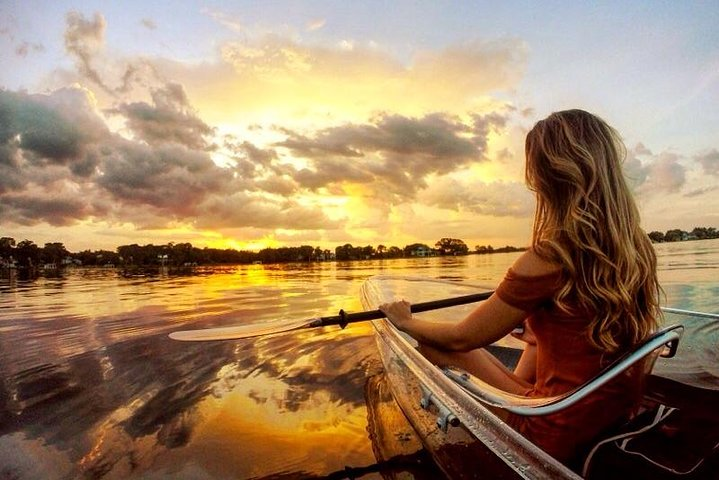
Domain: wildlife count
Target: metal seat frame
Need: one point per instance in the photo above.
(662, 343)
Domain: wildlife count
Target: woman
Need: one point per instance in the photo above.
(586, 290)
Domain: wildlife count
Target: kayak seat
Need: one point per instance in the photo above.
(662, 343)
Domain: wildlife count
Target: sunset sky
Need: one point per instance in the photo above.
(249, 124)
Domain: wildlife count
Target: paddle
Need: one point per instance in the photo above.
(269, 328)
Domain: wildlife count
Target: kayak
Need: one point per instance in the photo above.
(453, 413)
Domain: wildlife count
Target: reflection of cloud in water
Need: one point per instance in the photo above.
(122, 407)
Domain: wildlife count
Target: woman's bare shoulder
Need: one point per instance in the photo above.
(531, 264)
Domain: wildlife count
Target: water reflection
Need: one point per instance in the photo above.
(91, 386)
(118, 408)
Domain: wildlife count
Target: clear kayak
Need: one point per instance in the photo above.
(452, 413)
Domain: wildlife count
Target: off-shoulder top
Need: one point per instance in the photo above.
(565, 360)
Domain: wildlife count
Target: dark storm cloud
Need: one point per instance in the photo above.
(169, 119)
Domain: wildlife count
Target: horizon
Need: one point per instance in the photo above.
(673, 235)
(246, 126)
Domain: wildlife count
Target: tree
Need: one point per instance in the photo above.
(674, 235)
(345, 252)
(409, 250)
(28, 254)
(656, 237)
(7, 245)
(451, 246)
(482, 249)
(54, 253)
(702, 233)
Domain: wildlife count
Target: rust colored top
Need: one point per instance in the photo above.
(565, 360)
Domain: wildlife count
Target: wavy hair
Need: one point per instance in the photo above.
(586, 220)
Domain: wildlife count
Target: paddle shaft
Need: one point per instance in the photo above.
(345, 318)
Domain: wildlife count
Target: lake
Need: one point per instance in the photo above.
(92, 387)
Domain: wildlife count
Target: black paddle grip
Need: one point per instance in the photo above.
(344, 318)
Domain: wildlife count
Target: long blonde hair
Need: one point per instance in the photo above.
(587, 221)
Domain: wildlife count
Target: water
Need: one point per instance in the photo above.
(92, 387)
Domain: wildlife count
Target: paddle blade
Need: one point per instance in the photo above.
(240, 331)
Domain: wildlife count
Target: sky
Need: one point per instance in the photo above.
(248, 124)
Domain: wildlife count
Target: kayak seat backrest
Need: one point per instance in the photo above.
(664, 342)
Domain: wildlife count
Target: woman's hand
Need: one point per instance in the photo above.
(526, 335)
(398, 313)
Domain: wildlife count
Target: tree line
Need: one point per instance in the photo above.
(677, 235)
(26, 254)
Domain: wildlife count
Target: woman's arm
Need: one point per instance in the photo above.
(490, 321)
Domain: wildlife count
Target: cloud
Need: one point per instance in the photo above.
(60, 164)
(640, 149)
(654, 173)
(175, 170)
(634, 171)
(479, 66)
(244, 210)
(665, 174)
(50, 129)
(273, 76)
(315, 24)
(224, 19)
(701, 191)
(30, 208)
(499, 199)
(709, 162)
(287, 77)
(83, 40)
(169, 120)
(169, 177)
(393, 153)
(25, 48)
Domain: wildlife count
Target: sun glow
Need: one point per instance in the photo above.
(233, 243)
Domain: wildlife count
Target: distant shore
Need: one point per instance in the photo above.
(29, 258)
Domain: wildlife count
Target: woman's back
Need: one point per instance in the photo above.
(565, 360)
